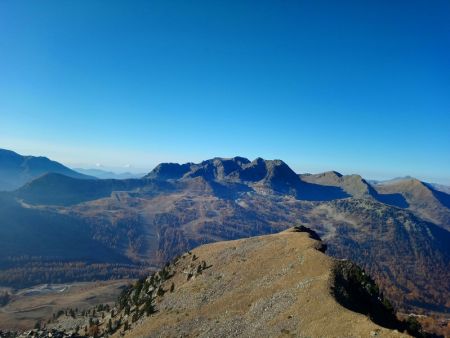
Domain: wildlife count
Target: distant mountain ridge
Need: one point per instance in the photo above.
(104, 174)
(229, 175)
(16, 170)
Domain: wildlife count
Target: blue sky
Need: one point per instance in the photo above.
(354, 86)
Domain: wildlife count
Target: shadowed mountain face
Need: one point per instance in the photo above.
(33, 232)
(178, 207)
(440, 187)
(16, 170)
(442, 197)
(56, 189)
(40, 245)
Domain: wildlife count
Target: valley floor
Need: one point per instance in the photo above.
(40, 302)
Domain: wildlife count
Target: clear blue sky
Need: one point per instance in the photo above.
(355, 86)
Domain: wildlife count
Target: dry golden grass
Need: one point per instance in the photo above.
(267, 286)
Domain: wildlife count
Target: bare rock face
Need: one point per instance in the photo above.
(272, 174)
(165, 171)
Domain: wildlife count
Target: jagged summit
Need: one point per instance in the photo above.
(167, 171)
(274, 174)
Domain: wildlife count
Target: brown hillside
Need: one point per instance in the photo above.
(268, 286)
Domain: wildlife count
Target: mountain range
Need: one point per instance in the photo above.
(397, 231)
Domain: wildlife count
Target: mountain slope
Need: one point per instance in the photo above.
(408, 257)
(32, 232)
(406, 193)
(43, 246)
(422, 198)
(16, 170)
(276, 285)
(356, 186)
(353, 185)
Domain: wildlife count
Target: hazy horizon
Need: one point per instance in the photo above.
(348, 86)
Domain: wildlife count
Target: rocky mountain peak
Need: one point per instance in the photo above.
(166, 171)
(275, 174)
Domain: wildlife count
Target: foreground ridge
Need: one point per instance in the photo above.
(280, 284)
